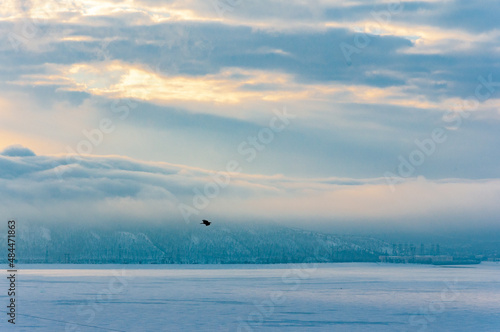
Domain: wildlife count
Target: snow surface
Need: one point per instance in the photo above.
(288, 297)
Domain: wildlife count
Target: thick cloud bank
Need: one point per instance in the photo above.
(111, 189)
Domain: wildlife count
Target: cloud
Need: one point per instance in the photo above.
(121, 80)
(17, 151)
(111, 189)
(181, 54)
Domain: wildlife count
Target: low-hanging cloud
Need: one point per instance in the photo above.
(113, 189)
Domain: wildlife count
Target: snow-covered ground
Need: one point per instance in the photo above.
(292, 297)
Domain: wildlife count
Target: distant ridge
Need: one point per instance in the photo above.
(183, 244)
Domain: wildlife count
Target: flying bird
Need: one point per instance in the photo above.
(205, 222)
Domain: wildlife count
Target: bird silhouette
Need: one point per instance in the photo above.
(205, 222)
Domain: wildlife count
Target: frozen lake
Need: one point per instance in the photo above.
(290, 297)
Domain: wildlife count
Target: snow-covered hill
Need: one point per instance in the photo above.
(196, 244)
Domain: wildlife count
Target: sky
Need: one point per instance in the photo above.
(327, 114)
